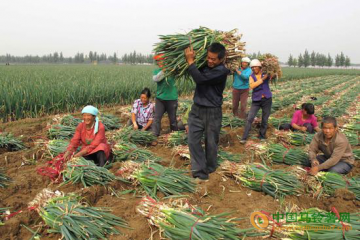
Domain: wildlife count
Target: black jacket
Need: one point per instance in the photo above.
(210, 84)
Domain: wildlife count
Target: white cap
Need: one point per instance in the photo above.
(255, 63)
(245, 59)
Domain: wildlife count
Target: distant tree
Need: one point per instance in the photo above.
(114, 58)
(313, 59)
(329, 61)
(290, 60)
(300, 61)
(295, 62)
(61, 58)
(347, 61)
(342, 59)
(306, 58)
(91, 56)
(337, 61)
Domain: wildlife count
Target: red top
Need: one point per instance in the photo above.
(297, 119)
(92, 143)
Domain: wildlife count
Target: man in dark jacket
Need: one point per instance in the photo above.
(206, 115)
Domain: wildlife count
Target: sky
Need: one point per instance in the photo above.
(280, 27)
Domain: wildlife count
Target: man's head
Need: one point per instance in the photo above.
(308, 109)
(329, 127)
(215, 54)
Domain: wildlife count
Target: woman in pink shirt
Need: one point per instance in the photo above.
(90, 134)
(303, 120)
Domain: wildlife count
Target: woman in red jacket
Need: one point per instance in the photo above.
(90, 134)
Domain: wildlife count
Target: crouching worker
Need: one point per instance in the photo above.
(337, 154)
(90, 134)
(303, 120)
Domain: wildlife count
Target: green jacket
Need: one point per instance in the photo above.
(166, 89)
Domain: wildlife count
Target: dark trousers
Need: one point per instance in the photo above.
(240, 95)
(162, 106)
(287, 126)
(341, 167)
(204, 121)
(99, 158)
(265, 105)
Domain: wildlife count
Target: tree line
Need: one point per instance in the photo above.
(318, 59)
(91, 57)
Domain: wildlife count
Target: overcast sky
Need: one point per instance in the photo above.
(280, 27)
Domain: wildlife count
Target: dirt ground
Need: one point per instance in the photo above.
(219, 194)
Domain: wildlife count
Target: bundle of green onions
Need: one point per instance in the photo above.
(353, 127)
(276, 183)
(128, 134)
(328, 226)
(153, 177)
(129, 151)
(300, 139)
(332, 181)
(356, 154)
(10, 142)
(228, 156)
(232, 122)
(270, 65)
(176, 138)
(353, 138)
(74, 219)
(80, 170)
(71, 121)
(276, 122)
(59, 131)
(110, 121)
(4, 180)
(173, 46)
(57, 146)
(277, 153)
(182, 221)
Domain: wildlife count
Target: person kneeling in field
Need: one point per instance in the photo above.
(142, 113)
(91, 135)
(337, 154)
(303, 120)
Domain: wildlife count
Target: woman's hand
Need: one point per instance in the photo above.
(67, 155)
(135, 126)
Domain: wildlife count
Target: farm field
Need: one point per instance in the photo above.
(37, 93)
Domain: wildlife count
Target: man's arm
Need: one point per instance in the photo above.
(159, 77)
(211, 77)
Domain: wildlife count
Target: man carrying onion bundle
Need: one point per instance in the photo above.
(337, 154)
(91, 135)
(166, 97)
(261, 99)
(303, 120)
(241, 88)
(206, 114)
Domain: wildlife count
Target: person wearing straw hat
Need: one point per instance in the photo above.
(240, 91)
(166, 97)
(90, 134)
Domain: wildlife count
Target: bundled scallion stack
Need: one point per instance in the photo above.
(153, 178)
(80, 170)
(134, 136)
(276, 183)
(300, 139)
(230, 121)
(177, 220)
(173, 46)
(10, 142)
(353, 138)
(176, 138)
(74, 219)
(332, 181)
(228, 156)
(128, 151)
(291, 156)
(71, 121)
(63, 132)
(4, 180)
(276, 122)
(57, 146)
(270, 65)
(320, 225)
